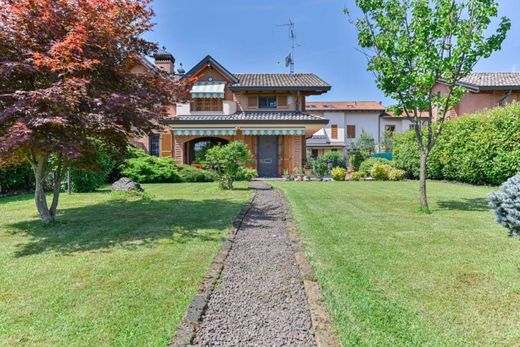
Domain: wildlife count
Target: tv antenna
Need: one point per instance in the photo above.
(289, 59)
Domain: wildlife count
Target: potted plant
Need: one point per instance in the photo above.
(307, 168)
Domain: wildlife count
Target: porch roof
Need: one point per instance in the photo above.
(245, 117)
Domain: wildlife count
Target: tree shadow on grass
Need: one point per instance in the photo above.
(128, 225)
(474, 204)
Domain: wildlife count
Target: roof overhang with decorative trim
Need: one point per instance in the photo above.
(204, 131)
(273, 131)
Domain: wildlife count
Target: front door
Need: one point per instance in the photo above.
(267, 156)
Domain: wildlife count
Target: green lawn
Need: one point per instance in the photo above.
(118, 274)
(395, 277)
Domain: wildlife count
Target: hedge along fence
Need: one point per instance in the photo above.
(483, 148)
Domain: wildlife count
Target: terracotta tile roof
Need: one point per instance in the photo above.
(344, 106)
(253, 116)
(422, 114)
(491, 80)
(279, 80)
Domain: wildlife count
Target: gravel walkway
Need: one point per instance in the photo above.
(259, 299)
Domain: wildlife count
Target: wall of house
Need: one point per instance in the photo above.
(241, 101)
(367, 121)
(335, 118)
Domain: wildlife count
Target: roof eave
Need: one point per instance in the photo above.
(244, 121)
(284, 88)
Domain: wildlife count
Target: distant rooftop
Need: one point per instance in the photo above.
(492, 80)
(344, 106)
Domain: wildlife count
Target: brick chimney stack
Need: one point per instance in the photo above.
(165, 61)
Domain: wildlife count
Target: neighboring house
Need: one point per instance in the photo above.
(485, 90)
(266, 111)
(347, 120)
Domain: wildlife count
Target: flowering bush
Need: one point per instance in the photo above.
(339, 173)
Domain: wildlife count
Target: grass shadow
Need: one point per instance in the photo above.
(474, 204)
(128, 225)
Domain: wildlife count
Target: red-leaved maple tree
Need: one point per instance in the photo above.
(65, 83)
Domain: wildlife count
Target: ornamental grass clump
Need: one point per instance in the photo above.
(506, 205)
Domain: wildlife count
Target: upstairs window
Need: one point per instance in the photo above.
(155, 145)
(390, 128)
(334, 131)
(351, 131)
(267, 102)
(207, 104)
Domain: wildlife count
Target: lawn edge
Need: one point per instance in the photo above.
(187, 329)
(321, 321)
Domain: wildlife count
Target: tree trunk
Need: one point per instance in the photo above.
(39, 192)
(422, 182)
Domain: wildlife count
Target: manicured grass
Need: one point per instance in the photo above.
(108, 274)
(395, 277)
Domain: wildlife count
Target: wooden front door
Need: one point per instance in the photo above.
(267, 156)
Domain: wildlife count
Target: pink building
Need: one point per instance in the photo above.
(486, 90)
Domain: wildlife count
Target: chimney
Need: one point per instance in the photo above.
(164, 60)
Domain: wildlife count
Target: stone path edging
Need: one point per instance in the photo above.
(322, 324)
(187, 329)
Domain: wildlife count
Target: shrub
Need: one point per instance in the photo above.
(245, 174)
(16, 178)
(367, 165)
(339, 173)
(358, 175)
(506, 205)
(145, 168)
(356, 158)
(321, 164)
(365, 143)
(189, 173)
(381, 172)
(227, 161)
(396, 174)
(479, 149)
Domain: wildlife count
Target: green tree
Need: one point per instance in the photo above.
(411, 45)
(227, 161)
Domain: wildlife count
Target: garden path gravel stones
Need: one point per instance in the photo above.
(259, 299)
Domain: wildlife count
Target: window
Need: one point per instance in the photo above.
(206, 104)
(267, 102)
(282, 102)
(390, 128)
(252, 102)
(314, 154)
(411, 126)
(155, 144)
(351, 131)
(334, 131)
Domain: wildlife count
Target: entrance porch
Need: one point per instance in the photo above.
(273, 153)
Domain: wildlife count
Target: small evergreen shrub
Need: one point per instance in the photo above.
(189, 173)
(367, 165)
(339, 173)
(321, 164)
(149, 169)
(381, 172)
(358, 175)
(506, 205)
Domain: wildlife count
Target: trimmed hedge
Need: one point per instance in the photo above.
(480, 149)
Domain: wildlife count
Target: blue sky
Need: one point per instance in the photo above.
(244, 36)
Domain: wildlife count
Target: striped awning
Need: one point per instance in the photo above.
(212, 89)
(273, 131)
(204, 131)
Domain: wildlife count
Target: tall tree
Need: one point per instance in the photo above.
(65, 82)
(411, 45)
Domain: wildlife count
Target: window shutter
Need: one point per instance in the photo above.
(334, 131)
(351, 131)
(282, 101)
(252, 102)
